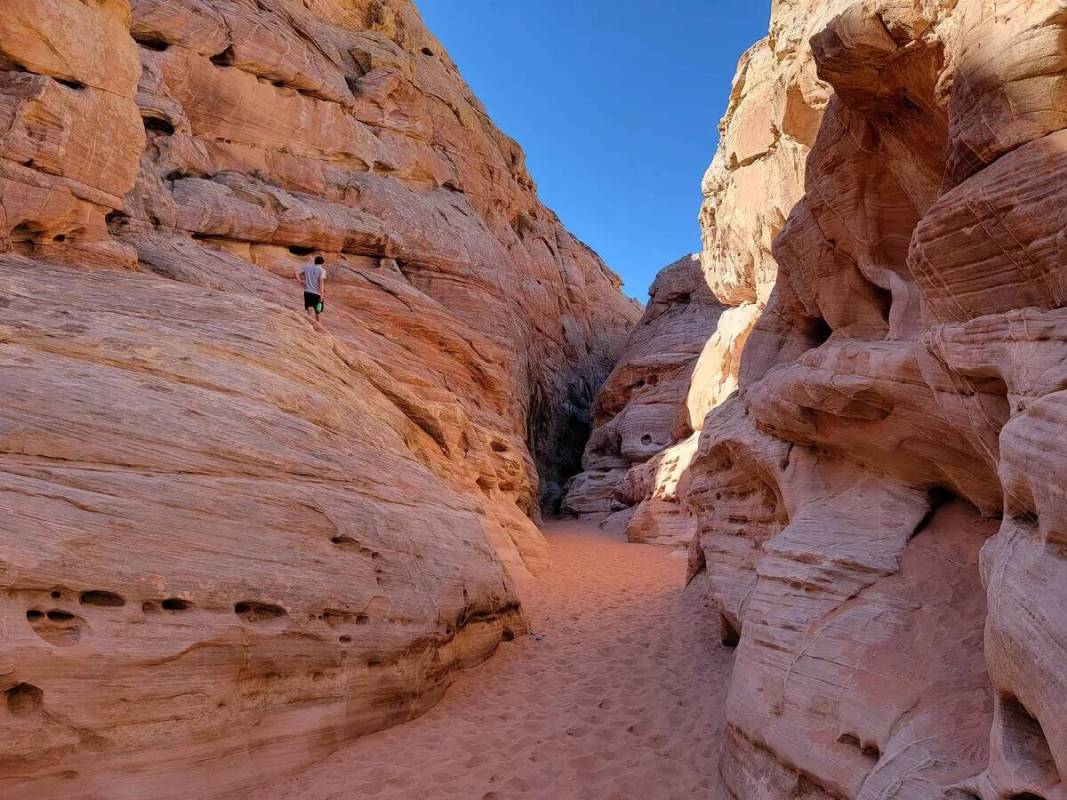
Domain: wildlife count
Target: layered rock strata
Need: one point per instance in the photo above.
(775, 108)
(639, 406)
(879, 509)
(232, 539)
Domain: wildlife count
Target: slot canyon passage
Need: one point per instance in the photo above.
(816, 545)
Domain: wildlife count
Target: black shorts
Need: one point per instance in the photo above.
(311, 300)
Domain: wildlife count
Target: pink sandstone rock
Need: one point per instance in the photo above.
(234, 541)
(879, 511)
(639, 404)
(775, 108)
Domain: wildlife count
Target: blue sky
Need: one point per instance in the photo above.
(616, 104)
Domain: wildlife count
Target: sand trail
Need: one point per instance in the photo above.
(620, 697)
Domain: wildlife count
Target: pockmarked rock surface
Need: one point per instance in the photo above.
(638, 408)
(880, 508)
(233, 540)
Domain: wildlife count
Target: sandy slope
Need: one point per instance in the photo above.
(619, 698)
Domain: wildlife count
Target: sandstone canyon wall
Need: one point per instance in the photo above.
(775, 107)
(232, 541)
(880, 508)
(637, 409)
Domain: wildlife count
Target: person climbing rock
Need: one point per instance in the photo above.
(313, 278)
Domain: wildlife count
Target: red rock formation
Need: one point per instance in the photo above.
(880, 509)
(774, 111)
(638, 407)
(233, 540)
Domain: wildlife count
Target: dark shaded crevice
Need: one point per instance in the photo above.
(817, 331)
(101, 598)
(556, 435)
(223, 59)
(23, 698)
(152, 43)
(158, 125)
(255, 611)
(731, 636)
(939, 497)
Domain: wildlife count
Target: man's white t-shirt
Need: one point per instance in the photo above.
(312, 274)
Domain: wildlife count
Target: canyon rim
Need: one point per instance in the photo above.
(233, 544)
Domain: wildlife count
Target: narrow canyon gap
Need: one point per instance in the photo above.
(877, 512)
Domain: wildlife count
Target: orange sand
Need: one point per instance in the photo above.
(620, 698)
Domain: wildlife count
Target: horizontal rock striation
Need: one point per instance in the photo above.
(879, 509)
(234, 540)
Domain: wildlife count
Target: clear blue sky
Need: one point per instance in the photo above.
(616, 104)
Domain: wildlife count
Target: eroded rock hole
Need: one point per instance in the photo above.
(158, 125)
(223, 59)
(57, 627)
(23, 698)
(426, 51)
(731, 636)
(939, 497)
(884, 300)
(255, 611)
(152, 43)
(297, 250)
(70, 83)
(101, 598)
(646, 439)
(24, 237)
(176, 604)
(818, 331)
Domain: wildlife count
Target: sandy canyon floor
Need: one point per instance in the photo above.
(616, 694)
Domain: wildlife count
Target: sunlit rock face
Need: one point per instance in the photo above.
(638, 407)
(233, 541)
(775, 108)
(880, 510)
